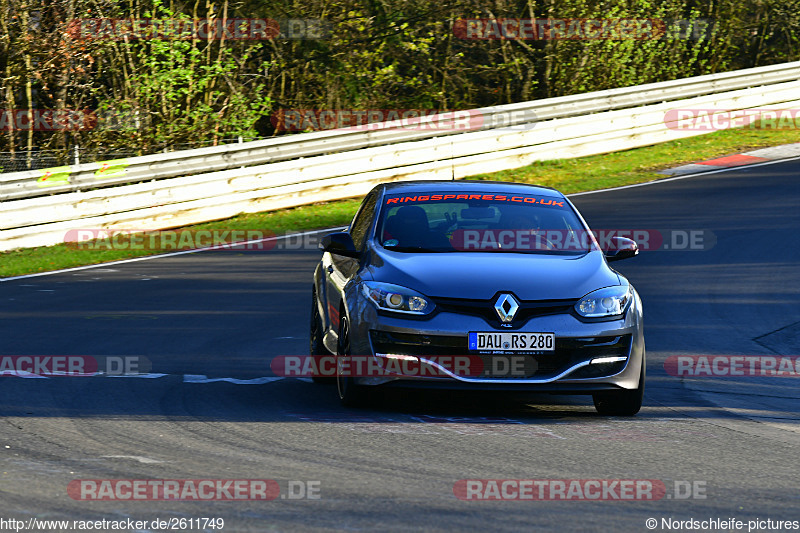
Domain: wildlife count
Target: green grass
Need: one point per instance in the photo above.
(570, 175)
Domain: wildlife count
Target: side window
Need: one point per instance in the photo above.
(362, 221)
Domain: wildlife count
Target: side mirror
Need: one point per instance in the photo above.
(340, 243)
(621, 248)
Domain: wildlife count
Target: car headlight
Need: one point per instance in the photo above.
(395, 298)
(607, 302)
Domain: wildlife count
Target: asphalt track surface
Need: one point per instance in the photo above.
(225, 314)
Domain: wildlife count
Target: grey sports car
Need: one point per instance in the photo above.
(477, 285)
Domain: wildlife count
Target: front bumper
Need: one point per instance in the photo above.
(589, 356)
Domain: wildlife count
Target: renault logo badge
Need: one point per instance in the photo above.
(506, 307)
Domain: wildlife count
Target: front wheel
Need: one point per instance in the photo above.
(621, 403)
(350, 393)
(317, 347)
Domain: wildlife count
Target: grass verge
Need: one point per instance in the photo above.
(570, 175)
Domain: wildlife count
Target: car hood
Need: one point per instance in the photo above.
(477, 275)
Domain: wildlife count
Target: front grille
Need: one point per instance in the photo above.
(569, 352)
(485, 309)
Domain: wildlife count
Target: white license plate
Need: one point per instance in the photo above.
(511, 342)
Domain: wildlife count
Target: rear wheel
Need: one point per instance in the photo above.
(317, 347)
(621, 403)
(350, 393)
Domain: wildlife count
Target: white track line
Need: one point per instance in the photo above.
(186, 378)
(145, 376)
(170, 254)
(193, 251)
(199, 378)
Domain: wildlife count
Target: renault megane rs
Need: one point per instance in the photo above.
(477, 285)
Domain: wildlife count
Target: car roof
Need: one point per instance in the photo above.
(406, 187)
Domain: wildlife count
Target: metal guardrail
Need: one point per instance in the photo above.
(115, 172)
(180, 188)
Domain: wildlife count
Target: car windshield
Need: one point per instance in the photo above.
(480, 222)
